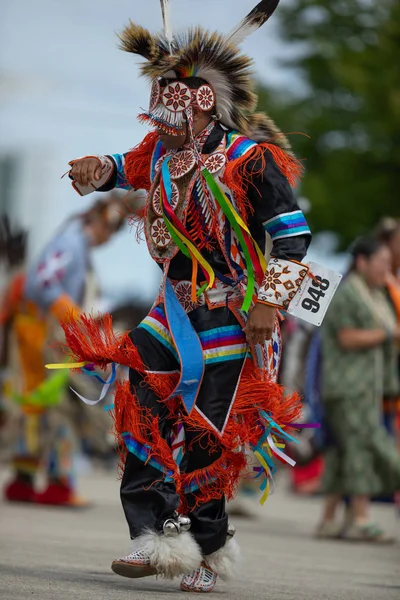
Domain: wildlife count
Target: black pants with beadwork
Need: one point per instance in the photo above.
(147, 500)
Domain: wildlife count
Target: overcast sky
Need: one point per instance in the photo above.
(66, 90)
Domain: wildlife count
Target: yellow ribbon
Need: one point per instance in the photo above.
(266, 467)
(262, 460)
(193, 250)
(267, 448)
(265, 495)
(77, 365)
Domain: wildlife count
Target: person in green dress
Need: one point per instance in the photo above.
(360, 337)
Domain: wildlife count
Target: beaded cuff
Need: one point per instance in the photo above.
(281, 282)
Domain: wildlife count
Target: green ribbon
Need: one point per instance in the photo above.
(222, 201)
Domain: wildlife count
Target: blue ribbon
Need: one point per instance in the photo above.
(188, 346)
(96, 376)
(276, 426)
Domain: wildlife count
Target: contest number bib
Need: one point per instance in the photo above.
(315, 294)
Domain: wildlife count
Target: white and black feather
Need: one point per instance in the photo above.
(253, 21)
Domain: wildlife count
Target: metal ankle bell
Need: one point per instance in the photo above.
(184, 522)
(231, 531)
(171, 528)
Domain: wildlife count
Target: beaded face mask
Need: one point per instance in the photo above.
(171, 103)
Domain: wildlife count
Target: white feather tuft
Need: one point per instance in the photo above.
(166, 17)
(253, 21)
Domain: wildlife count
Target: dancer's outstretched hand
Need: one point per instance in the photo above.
(260, 324)
(85, 170)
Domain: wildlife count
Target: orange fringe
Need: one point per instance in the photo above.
(163, 384)
(138, 162)
(94, 341)
(129, 416)
(136, 219)
(288, 165)
(237, 175)
(221, 478)
(255, 393)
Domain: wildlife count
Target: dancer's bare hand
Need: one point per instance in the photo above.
(260, 324)
(85, 170)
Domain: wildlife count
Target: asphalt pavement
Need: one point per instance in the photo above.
(65, 554)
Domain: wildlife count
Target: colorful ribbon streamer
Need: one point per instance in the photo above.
(254, 258)
(180, 235)
(274, 425)
(104, 391)
(77, 365)
(303, 425)
(268, 446)
(255, 261)
(279, 453)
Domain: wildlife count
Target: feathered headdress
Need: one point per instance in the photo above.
(224, 73)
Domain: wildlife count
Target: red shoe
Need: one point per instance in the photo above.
(55, 493)
(19, 491)
(58, 494)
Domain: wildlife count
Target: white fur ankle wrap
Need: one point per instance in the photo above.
(223, 560)
(170, 556)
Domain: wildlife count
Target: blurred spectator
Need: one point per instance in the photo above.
(359, 367)
(12, 259)
(48, 292)
(388, 231)
(299, 371)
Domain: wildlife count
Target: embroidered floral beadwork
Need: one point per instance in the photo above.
(281, 282)
(205, 97)
(215, 162)
(181, 163)
(176, 97)
(154, 95)
(183, 291)
(156, 202)
(160, 233)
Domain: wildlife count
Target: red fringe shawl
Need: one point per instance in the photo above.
(238, 172)
(138, 163)
(237, 177)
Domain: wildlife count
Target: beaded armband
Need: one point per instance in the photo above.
(281, 283)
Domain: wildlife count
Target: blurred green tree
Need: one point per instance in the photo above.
(347, 54)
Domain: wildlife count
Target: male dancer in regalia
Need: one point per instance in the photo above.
(203, 363)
